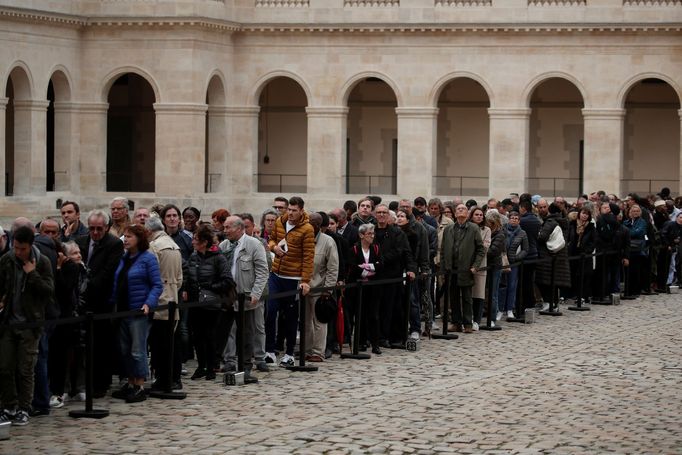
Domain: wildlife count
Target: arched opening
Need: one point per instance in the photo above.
(372, 138)
(216, 137)
(17, 127)
(555, 159)
(131, 135)
(58, 134)
(463, 139)
(282, 137)
(651, 156)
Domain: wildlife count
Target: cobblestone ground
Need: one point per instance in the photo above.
(604, 381)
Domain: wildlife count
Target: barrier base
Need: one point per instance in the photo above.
(628, 297)
(444, 336)
(521, 320)
(356, 356)
(308, 368)
(491, 329)
(167, 395)
(579, 308)
(551, 313)
(602, 302)
(91, 414)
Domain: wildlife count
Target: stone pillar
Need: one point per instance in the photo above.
(217, 149)
(66, 169)
(508, 161)
(679, 189)
(30, 157)
(91, 126)
(603, 151)
(180, 149)
(242, 150)
(3, 170)
(417, 127)
(326, 150)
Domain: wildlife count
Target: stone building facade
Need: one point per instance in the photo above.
(226, 103)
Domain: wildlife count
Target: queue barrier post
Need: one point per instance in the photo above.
(553, 306)
(301, 327)
(489, 323)
(167, 393)
(89, 412)
(581, 288)
(239, 377)
(444, 312)
(355, 350)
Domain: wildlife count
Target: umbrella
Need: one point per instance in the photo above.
(340, 322)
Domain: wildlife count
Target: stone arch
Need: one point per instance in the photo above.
(438, 87)
(22, 80)
(58, 131)
(632, 81)
(254, 95)
(216, 94)
(356, 79)
(215, 144)
(113, 76)
(62, 83)
(18, 166)
(539, 79)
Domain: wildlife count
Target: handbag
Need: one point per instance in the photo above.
(556, 241)
(637, 245)
(211, 300)
(326, 308)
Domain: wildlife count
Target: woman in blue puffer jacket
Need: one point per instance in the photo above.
(137, 286)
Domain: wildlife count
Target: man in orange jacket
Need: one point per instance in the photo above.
(293, 243)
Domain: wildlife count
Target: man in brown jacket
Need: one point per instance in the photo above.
(293, 242)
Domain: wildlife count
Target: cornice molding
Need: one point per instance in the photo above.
(604, 114)
(79, 22)
(180, 108)
(509, 113)
(327, 111)
(242, 111)
(416, 112)
(31, 105)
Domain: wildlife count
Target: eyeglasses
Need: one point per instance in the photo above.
(118, 208)
(382, 213)
(96, 228)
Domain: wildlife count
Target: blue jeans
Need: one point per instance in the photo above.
(133, 332)
(41, 386)
(507, 295)
(287, 305)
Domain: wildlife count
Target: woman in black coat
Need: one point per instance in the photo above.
(208, 280)
(562, 274)
(582, 237)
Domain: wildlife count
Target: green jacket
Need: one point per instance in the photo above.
(37, 288)
(462, 257)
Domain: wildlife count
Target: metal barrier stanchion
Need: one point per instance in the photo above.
(444, 312)
(89, 412)
(355, 353)
(519, 308)
(489, 324)
(581, 287)
(301, 349)
(167, 392)
(603, 299)
(553, 310)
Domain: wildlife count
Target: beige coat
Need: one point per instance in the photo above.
(168, 254)
(479, 277)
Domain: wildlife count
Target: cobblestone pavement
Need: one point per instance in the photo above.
(604, 381)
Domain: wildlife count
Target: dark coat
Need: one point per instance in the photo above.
(396, 253)
(516, 237)
(36, 288)
(208, 271)
(350, 233)
(358, 258)
(562, 273)
(581, 245)
(498, 245)
(531, 226)
(469, 253)
(101, 269)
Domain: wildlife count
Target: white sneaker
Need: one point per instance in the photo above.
(287, 361)
(414, 335)
(475, 326)
(56, 401)
(499, 316)
(270, 357)
(545, 306)
(492, 323)
(510, 314)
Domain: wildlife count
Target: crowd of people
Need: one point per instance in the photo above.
(417, 253)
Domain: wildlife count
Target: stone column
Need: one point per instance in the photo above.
(180, 149)
(326, 150)
(679, 189)
(217, 149)
(242, 150)
(3, 135)
(603, 151)
(30, 157)
(66, 168)
(417, 128)
(508, 161)
(91, 127)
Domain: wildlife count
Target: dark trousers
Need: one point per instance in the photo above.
(223, 329)
(528, 287)
(159, 346)
(105, 357)
(58, 358)
(286, 305)
(18, 355)
(203, 323)
(663, 268)
(41, 388)
(638, 274)
(388, 301)
(369, 329)
(461, 304)
(401, 314)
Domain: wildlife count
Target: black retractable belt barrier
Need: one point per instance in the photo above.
(240, 332)
(520, 307)
(167, 392)
(355, 352)
(444, 312)
(489, 324)
(89, 412)
(553, 307)
(301, 348)
(581, 287)
(603, 298)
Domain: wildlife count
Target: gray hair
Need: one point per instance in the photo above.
(154, 223)
(99, 214)
(236, 222)
(121, 199)
(365, 228)
(69, 247)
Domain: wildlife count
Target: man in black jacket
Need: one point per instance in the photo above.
(101, 253)
(531, 226)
